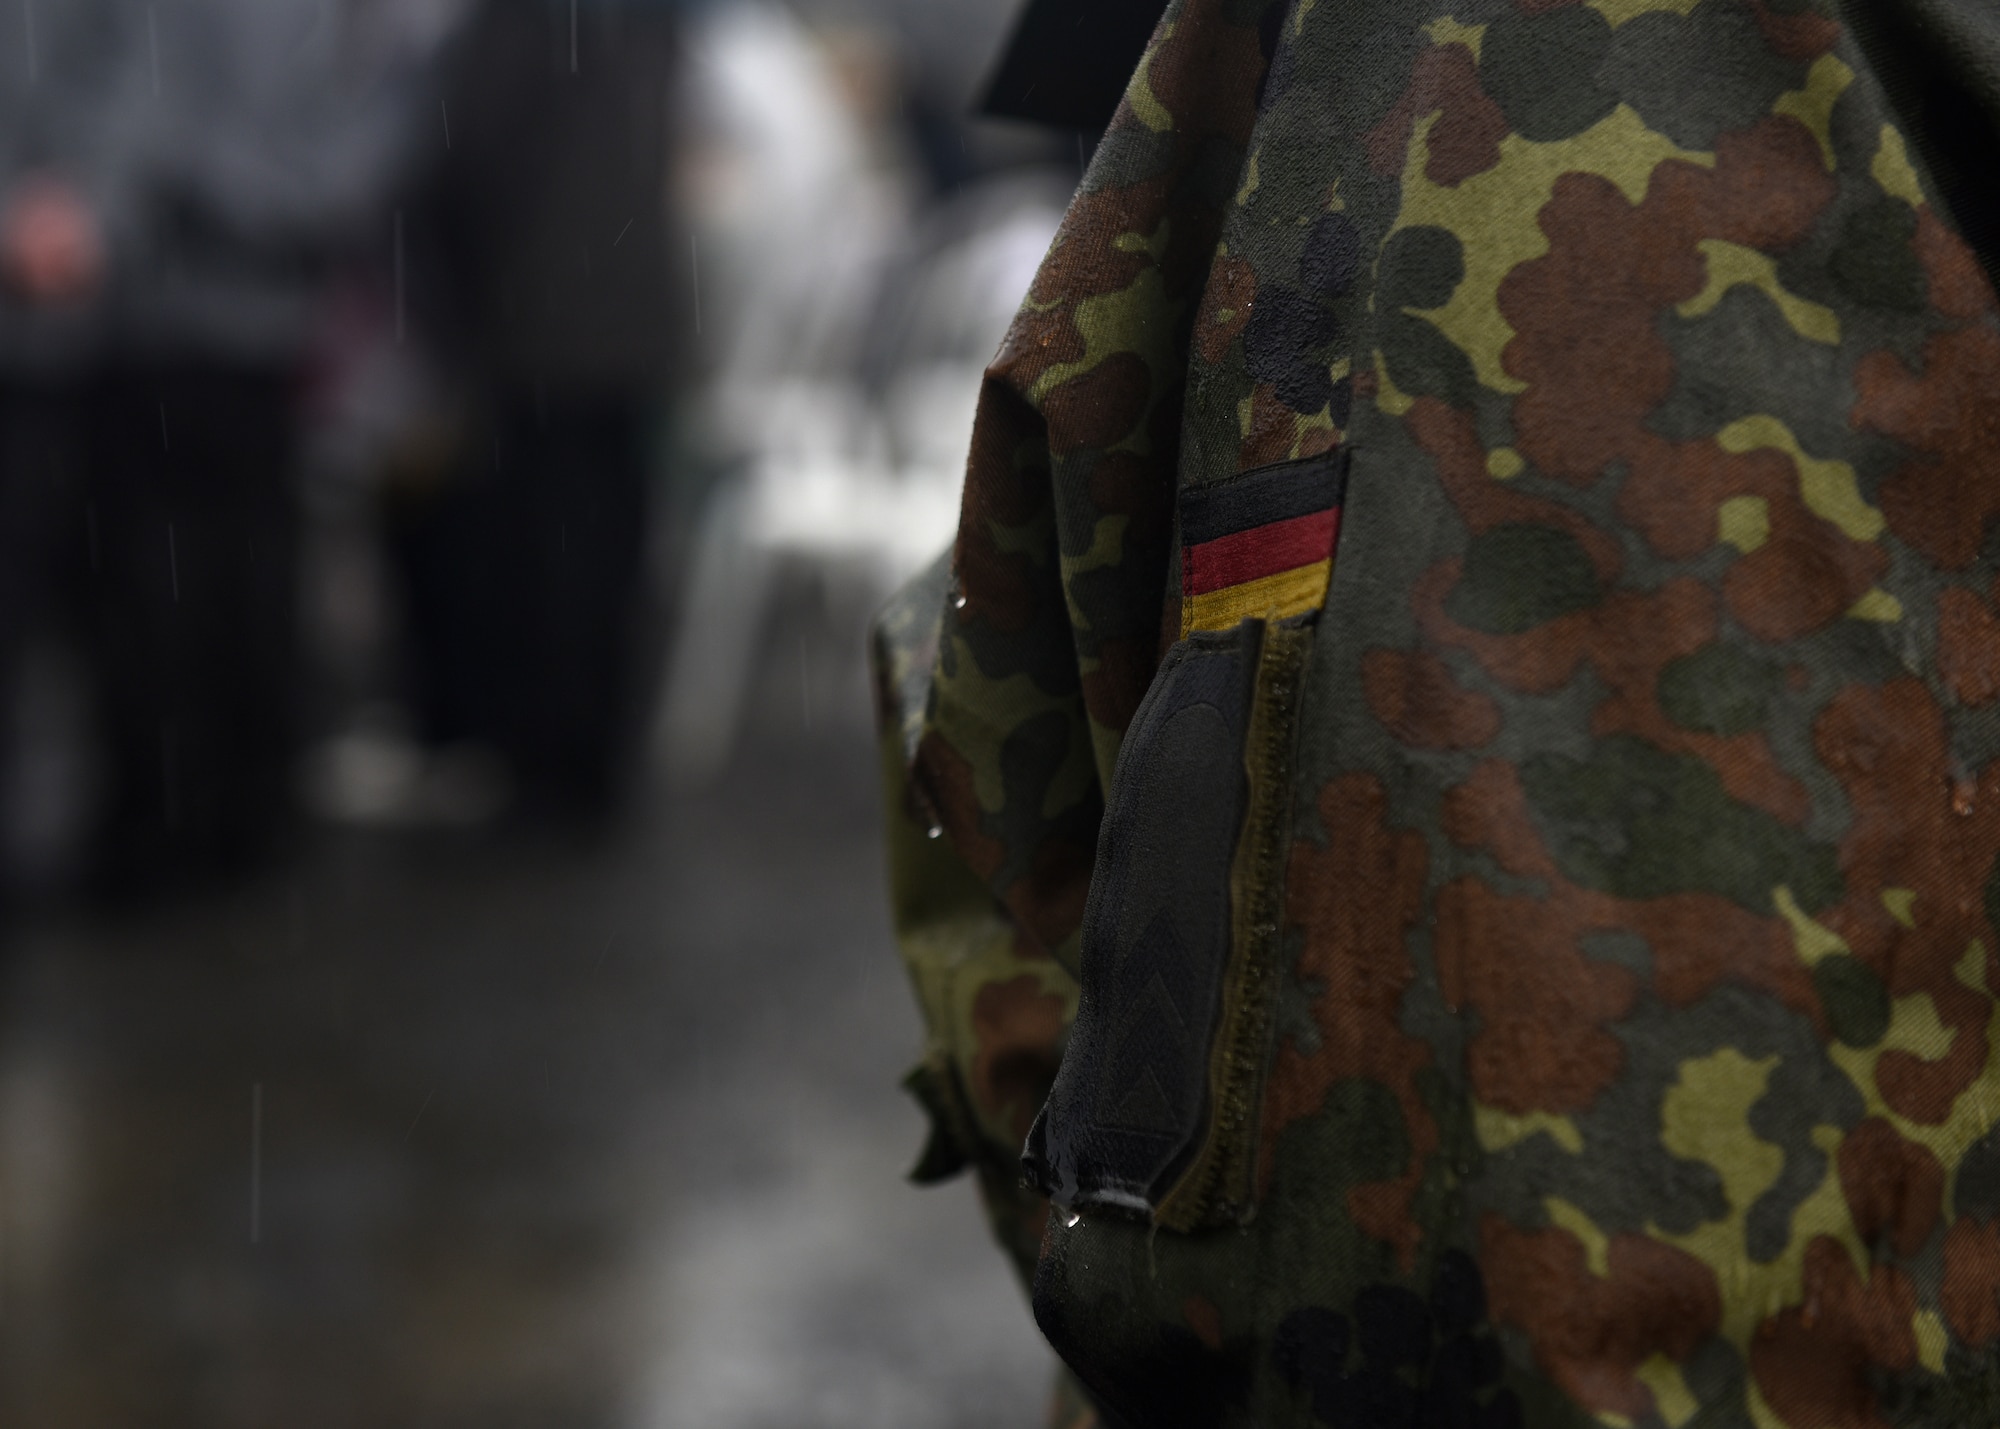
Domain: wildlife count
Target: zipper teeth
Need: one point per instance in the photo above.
(1247, 1049)
(1219, 1185)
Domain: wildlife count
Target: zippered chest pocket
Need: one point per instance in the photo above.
(1154, 1110)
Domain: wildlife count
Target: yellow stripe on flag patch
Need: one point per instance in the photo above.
(1275, 597)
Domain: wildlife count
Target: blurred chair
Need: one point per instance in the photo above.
(849, 440)
(824, 496)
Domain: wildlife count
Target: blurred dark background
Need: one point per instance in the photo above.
(449, 452)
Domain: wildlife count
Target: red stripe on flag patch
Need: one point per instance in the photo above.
(1261, 551)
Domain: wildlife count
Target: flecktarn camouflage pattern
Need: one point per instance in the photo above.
(1462, 730)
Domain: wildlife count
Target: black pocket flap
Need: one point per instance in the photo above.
(1131, 1102)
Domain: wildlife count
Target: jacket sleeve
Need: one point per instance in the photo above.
(1007, 676)
(1062, 592)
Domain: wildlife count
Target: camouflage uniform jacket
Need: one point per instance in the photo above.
(1462, 730)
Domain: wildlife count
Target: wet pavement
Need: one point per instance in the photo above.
(463, 1131)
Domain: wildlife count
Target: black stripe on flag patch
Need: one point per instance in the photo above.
(1263, 495)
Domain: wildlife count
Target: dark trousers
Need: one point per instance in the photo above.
(158, 529)
(523, 594)
(193, 613)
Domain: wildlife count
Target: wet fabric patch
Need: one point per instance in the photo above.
(1259, 546)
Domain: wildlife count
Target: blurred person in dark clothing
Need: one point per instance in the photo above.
(539, 275)
(171, 177)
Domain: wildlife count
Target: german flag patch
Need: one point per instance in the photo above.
(1260, 545)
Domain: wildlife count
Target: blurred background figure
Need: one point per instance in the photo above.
(455, 420)
(538, 274)
(173, 179)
